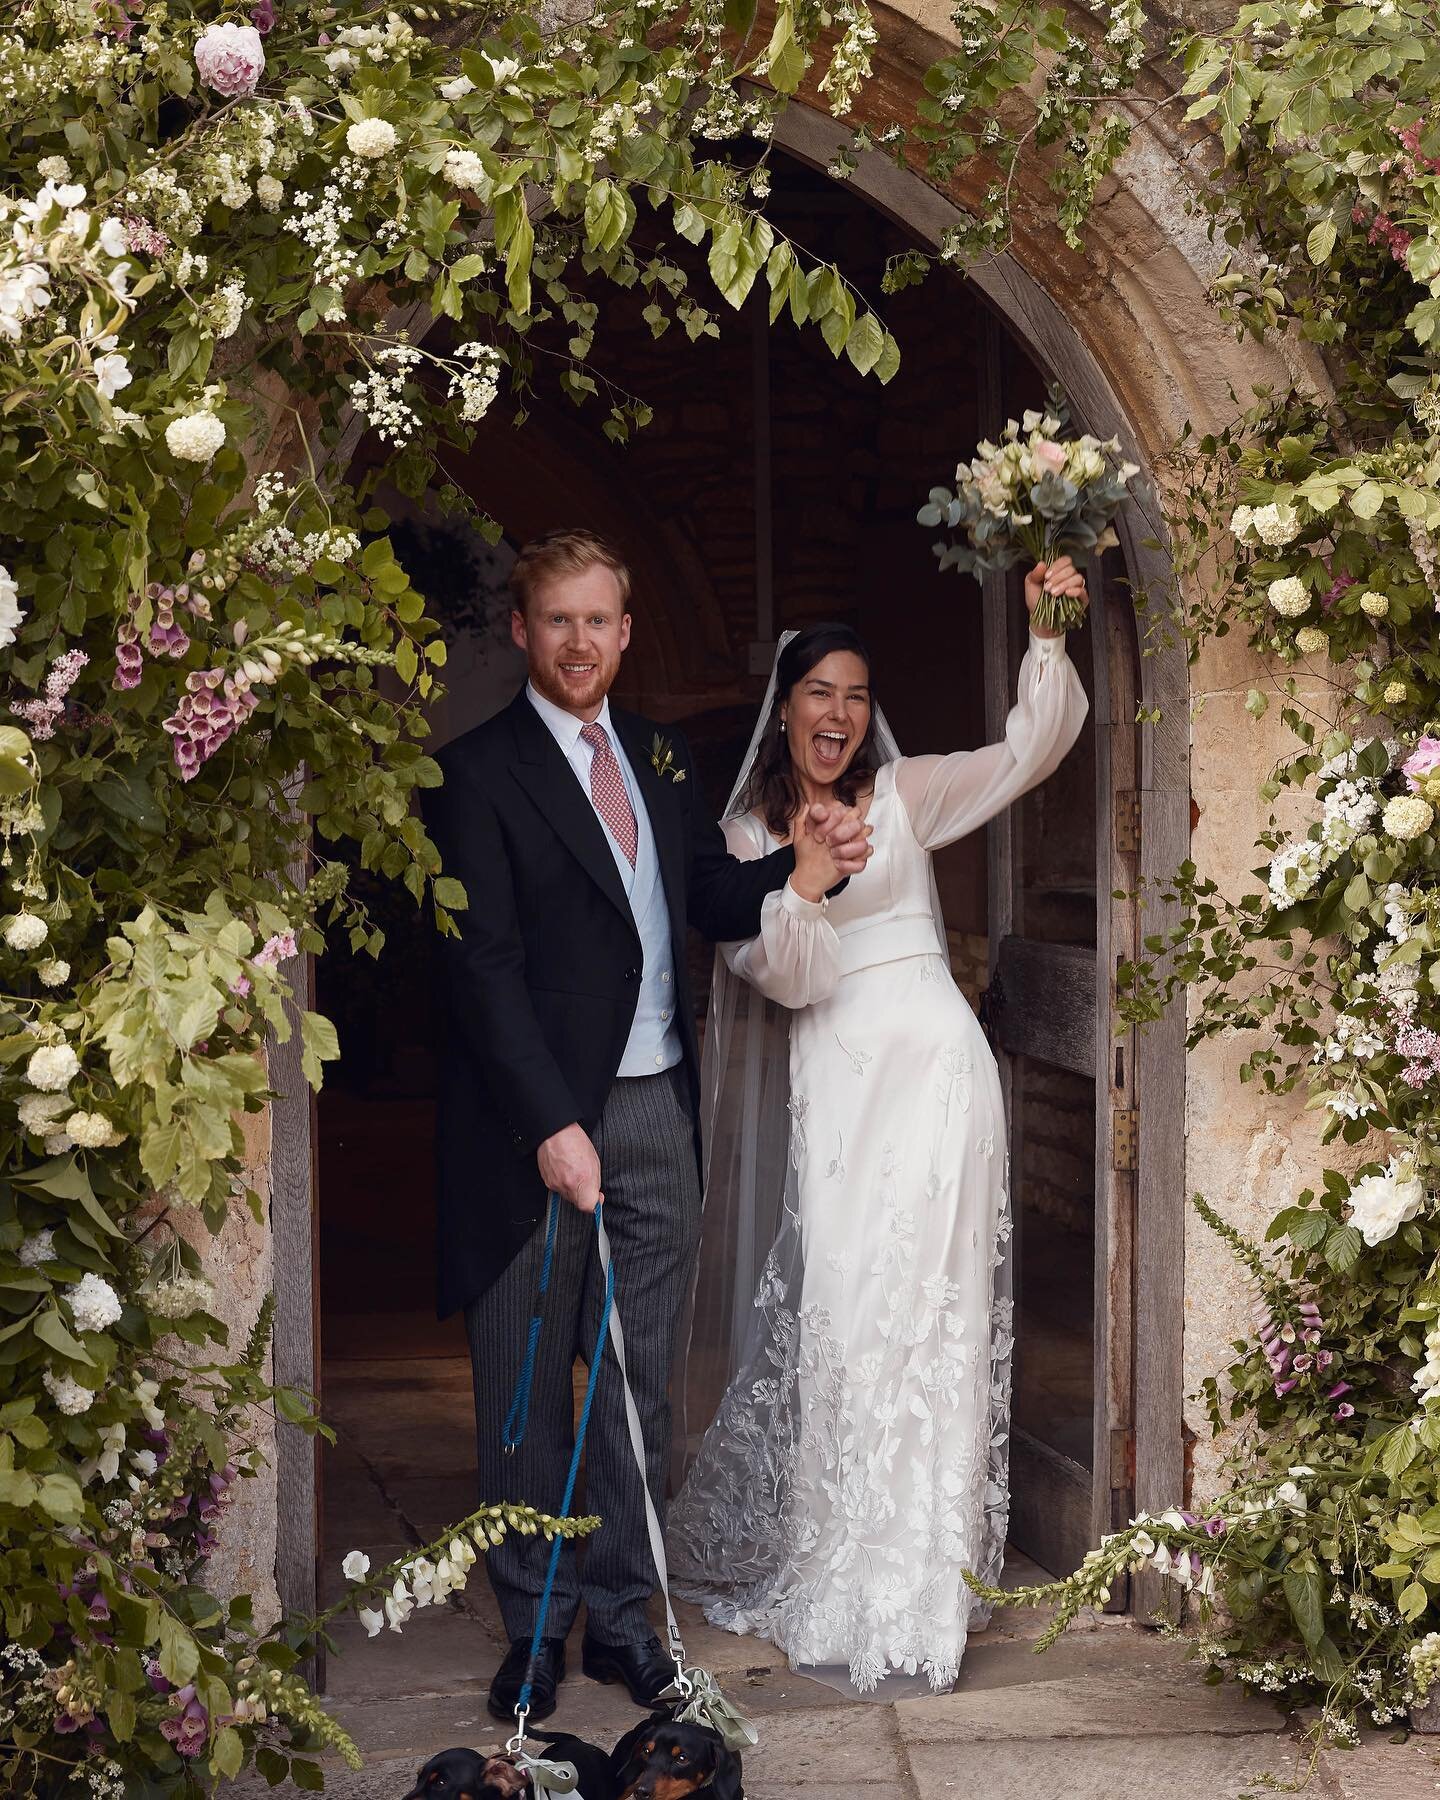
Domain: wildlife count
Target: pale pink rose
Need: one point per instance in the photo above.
(1423, 760)
(1049, 455)
(230, 59)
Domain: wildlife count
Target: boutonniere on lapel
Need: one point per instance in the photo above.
(662, 759)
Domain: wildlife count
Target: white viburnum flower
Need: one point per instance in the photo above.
(1381, 1204)
(38, 1112)
(270, 192)
(53, 971)
(195, 437)
(54, 1066)
(1275, 525)
(90, 1130)
(356, 1566)
(53, 168)
(1310, 640)
(94, 1304)
(67, 1393)
(1241, 521)
(370, 138)
(11, 617)
(26, 931)
(465, 169)
(1395, 692)
(1407, 816)
(1288, 596)
(1373, 604)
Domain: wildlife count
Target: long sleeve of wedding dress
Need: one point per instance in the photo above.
(796, 958)
(946, 797)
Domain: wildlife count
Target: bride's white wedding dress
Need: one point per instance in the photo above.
(858, 1462)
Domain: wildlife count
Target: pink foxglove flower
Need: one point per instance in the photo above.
(230, 59)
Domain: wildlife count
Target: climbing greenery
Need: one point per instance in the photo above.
(1312, 523)
(235, 240)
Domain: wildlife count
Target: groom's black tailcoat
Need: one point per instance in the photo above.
(541, 985)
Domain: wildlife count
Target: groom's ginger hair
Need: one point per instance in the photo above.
(568, 551)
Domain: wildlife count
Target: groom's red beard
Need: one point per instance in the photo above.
(558, 684)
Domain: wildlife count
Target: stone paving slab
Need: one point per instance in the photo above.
(1172, 1767)
(1380, 1770)
(1127, 1690)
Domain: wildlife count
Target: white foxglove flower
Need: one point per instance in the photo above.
(195, 437)
(146, 1392)
(26, 931)
(11, 617)
(52, 1067)
(370, 138)
(94, 1304)
(374, 1622)
(107, 1463)
(356, 1566)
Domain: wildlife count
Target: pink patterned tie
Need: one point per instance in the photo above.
(607, 790)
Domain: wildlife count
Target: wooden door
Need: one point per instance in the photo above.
(1056, 934)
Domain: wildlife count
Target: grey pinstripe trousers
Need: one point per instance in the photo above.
(645, 1141)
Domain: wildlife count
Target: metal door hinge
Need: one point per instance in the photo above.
(1122, 1457)
(1127, 822)
(1124, 1138)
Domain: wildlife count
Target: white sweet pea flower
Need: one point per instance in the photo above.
(356, 1566)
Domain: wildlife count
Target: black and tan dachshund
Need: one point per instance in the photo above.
(467, 1775)
(664, 1760)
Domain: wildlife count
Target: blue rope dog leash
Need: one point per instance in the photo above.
(519, 1413)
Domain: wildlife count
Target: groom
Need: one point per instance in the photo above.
(579, 833)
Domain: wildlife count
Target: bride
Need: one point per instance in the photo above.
(853, 1304)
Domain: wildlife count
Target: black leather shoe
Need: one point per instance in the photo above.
(510, 1678)
(644, 1668)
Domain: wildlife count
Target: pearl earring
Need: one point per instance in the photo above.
(782, 728)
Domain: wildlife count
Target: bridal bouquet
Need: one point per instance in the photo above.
(1030, 498)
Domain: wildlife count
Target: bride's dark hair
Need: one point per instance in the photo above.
(772, 790)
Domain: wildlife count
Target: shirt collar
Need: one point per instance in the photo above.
(563, 726)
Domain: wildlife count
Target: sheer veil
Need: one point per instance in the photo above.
(748, 1280)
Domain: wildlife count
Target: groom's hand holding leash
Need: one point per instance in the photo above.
(570, 1167)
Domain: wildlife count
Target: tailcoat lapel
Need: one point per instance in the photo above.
(543, 772)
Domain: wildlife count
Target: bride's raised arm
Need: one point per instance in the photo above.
(795, 960)
(947, 797)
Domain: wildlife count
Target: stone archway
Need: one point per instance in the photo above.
(1126, 329)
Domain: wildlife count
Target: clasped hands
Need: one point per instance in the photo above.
(832, 843)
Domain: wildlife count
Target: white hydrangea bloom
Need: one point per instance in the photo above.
(94, 1304)
(370, 138)
(195, 437)
(67, 1393)
(26, 931)
(52, 1067)
(39, 1247)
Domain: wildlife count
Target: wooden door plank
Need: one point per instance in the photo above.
(1045, 1002)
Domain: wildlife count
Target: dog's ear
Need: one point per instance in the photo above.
(726, 1782)
(624, 1752)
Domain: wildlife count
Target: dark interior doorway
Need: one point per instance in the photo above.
(774, 487)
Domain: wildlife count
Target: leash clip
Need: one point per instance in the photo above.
(516, 1745)
(682, 1680)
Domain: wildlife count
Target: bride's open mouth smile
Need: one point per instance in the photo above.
(830, 747)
